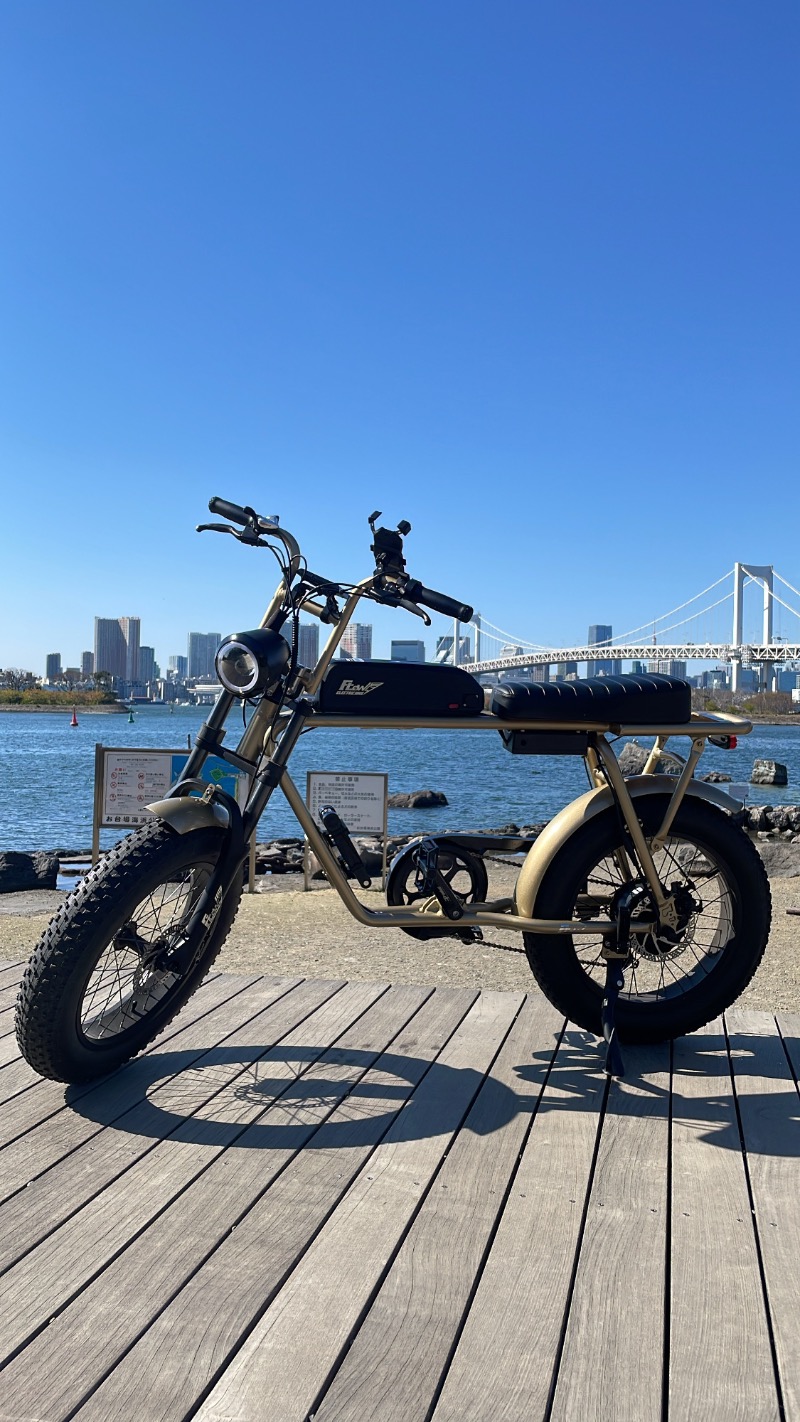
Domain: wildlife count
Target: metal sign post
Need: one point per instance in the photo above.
(361, 800)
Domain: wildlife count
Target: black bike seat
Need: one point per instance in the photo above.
(648, 700)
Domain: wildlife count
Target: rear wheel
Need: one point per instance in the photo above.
(681, 977)
(99, 985)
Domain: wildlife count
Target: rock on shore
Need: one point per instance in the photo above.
(20, 871)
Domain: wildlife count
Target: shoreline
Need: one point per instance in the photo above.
(67, 710)
(118, 709)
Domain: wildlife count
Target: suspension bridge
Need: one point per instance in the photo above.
(654, 644)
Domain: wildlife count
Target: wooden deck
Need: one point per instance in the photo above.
(356, 1201)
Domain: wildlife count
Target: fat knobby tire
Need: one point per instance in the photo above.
(52, 988)
(558, 969)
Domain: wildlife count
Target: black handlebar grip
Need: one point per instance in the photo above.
(439, 602)
(233, 512)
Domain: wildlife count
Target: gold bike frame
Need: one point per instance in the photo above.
(264, 733)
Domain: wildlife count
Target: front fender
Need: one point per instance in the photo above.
(185, 813)
(555, 835)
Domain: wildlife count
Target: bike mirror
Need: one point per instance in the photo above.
(404, 527)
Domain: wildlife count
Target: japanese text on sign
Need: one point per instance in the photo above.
(359, 799)
(132, 780)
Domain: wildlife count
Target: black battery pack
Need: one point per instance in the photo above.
(399, 689)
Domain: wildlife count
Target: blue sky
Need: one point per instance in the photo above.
(525, 274)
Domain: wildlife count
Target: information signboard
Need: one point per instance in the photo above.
(132, 779)
(360, 798)
(127, 781)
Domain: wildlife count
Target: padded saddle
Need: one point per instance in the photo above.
(648, 700)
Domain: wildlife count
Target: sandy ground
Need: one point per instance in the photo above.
(283, 930)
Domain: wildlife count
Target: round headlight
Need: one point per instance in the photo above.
(248, 663)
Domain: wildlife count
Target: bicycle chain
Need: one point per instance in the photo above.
(503, 947)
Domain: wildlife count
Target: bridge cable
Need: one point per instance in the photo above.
(680, 607)
(786, 585)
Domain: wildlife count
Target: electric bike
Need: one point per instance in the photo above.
(643, 906)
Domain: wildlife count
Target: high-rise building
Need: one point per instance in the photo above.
(87, 664)
(668, 668)
(565, 671)
(600, 636)
(53, 666)
(408, 651)
(131, 631)
(147, 665)
(308, 644)
(110, 649)
(357, 641)
(444, 649)
(179, 665)
(202, 649)
(116, 647)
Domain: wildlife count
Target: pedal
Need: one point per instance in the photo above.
(336, 831)
(430, 881)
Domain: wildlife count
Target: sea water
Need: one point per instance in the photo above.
(47, 769)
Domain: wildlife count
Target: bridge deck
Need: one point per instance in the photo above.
(360, 1201)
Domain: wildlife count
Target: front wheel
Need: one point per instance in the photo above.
(100, 986)
(679, 978)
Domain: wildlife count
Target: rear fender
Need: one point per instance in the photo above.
(572, 818)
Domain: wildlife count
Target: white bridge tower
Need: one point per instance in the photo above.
(759, 574)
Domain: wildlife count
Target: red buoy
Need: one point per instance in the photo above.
(74, 720)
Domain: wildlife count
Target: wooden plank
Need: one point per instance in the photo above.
(193, 1337)
(504, 1364)
(9, 1051)
(11, 972)
(99, 1143)
(49, 1098)
(789, 1028)
(50, 1275)
(768, 1110)
(610, 1365)
(393, 1369)
(15, 1078)
(30, 1155)
(720, 1361)
(223, 989)
(286, 1359)
(8, 995)
(75, 1351)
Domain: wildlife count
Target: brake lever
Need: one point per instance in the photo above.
(412, 607)
(243, 535)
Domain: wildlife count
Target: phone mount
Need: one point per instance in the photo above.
(387, 545)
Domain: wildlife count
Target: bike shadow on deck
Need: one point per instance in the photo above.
(573, 1072)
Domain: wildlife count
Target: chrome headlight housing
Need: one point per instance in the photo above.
(249, 663)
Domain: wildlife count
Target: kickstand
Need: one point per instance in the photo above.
(617, 957)
(615, 980)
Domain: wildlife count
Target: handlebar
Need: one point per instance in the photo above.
(236, 513)
(439, 602)
(233, 512)
(386, 543)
